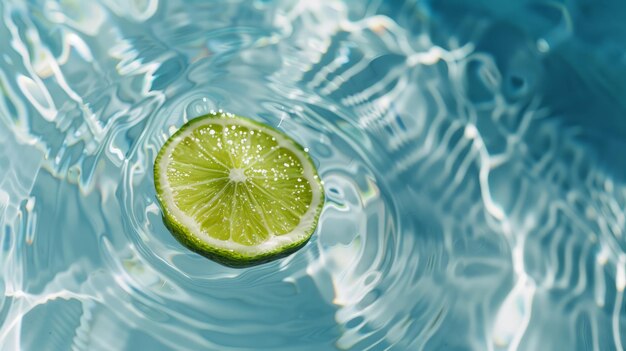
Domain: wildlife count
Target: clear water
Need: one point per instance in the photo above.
(472, 153)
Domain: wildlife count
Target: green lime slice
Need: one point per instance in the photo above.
(237, 191)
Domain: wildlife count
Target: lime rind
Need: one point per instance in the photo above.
(187, 231)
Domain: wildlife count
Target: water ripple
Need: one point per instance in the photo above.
(465, 210)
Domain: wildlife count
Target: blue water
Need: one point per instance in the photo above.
(472, 154)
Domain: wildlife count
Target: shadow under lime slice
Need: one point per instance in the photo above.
(237, 191)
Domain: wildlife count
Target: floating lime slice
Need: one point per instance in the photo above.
(237, 191)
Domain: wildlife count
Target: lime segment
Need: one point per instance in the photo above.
(237, 191)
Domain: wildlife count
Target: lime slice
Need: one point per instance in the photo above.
(237, 191)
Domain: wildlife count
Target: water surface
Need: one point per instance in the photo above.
(472, 155)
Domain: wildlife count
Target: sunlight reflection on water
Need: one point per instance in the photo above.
(466, 207)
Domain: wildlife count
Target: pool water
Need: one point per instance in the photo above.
(472, 154)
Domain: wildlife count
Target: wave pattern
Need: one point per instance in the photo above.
(465, 209)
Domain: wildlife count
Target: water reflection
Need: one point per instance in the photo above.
(467, 208)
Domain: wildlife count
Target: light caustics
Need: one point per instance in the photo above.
(457, 213)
